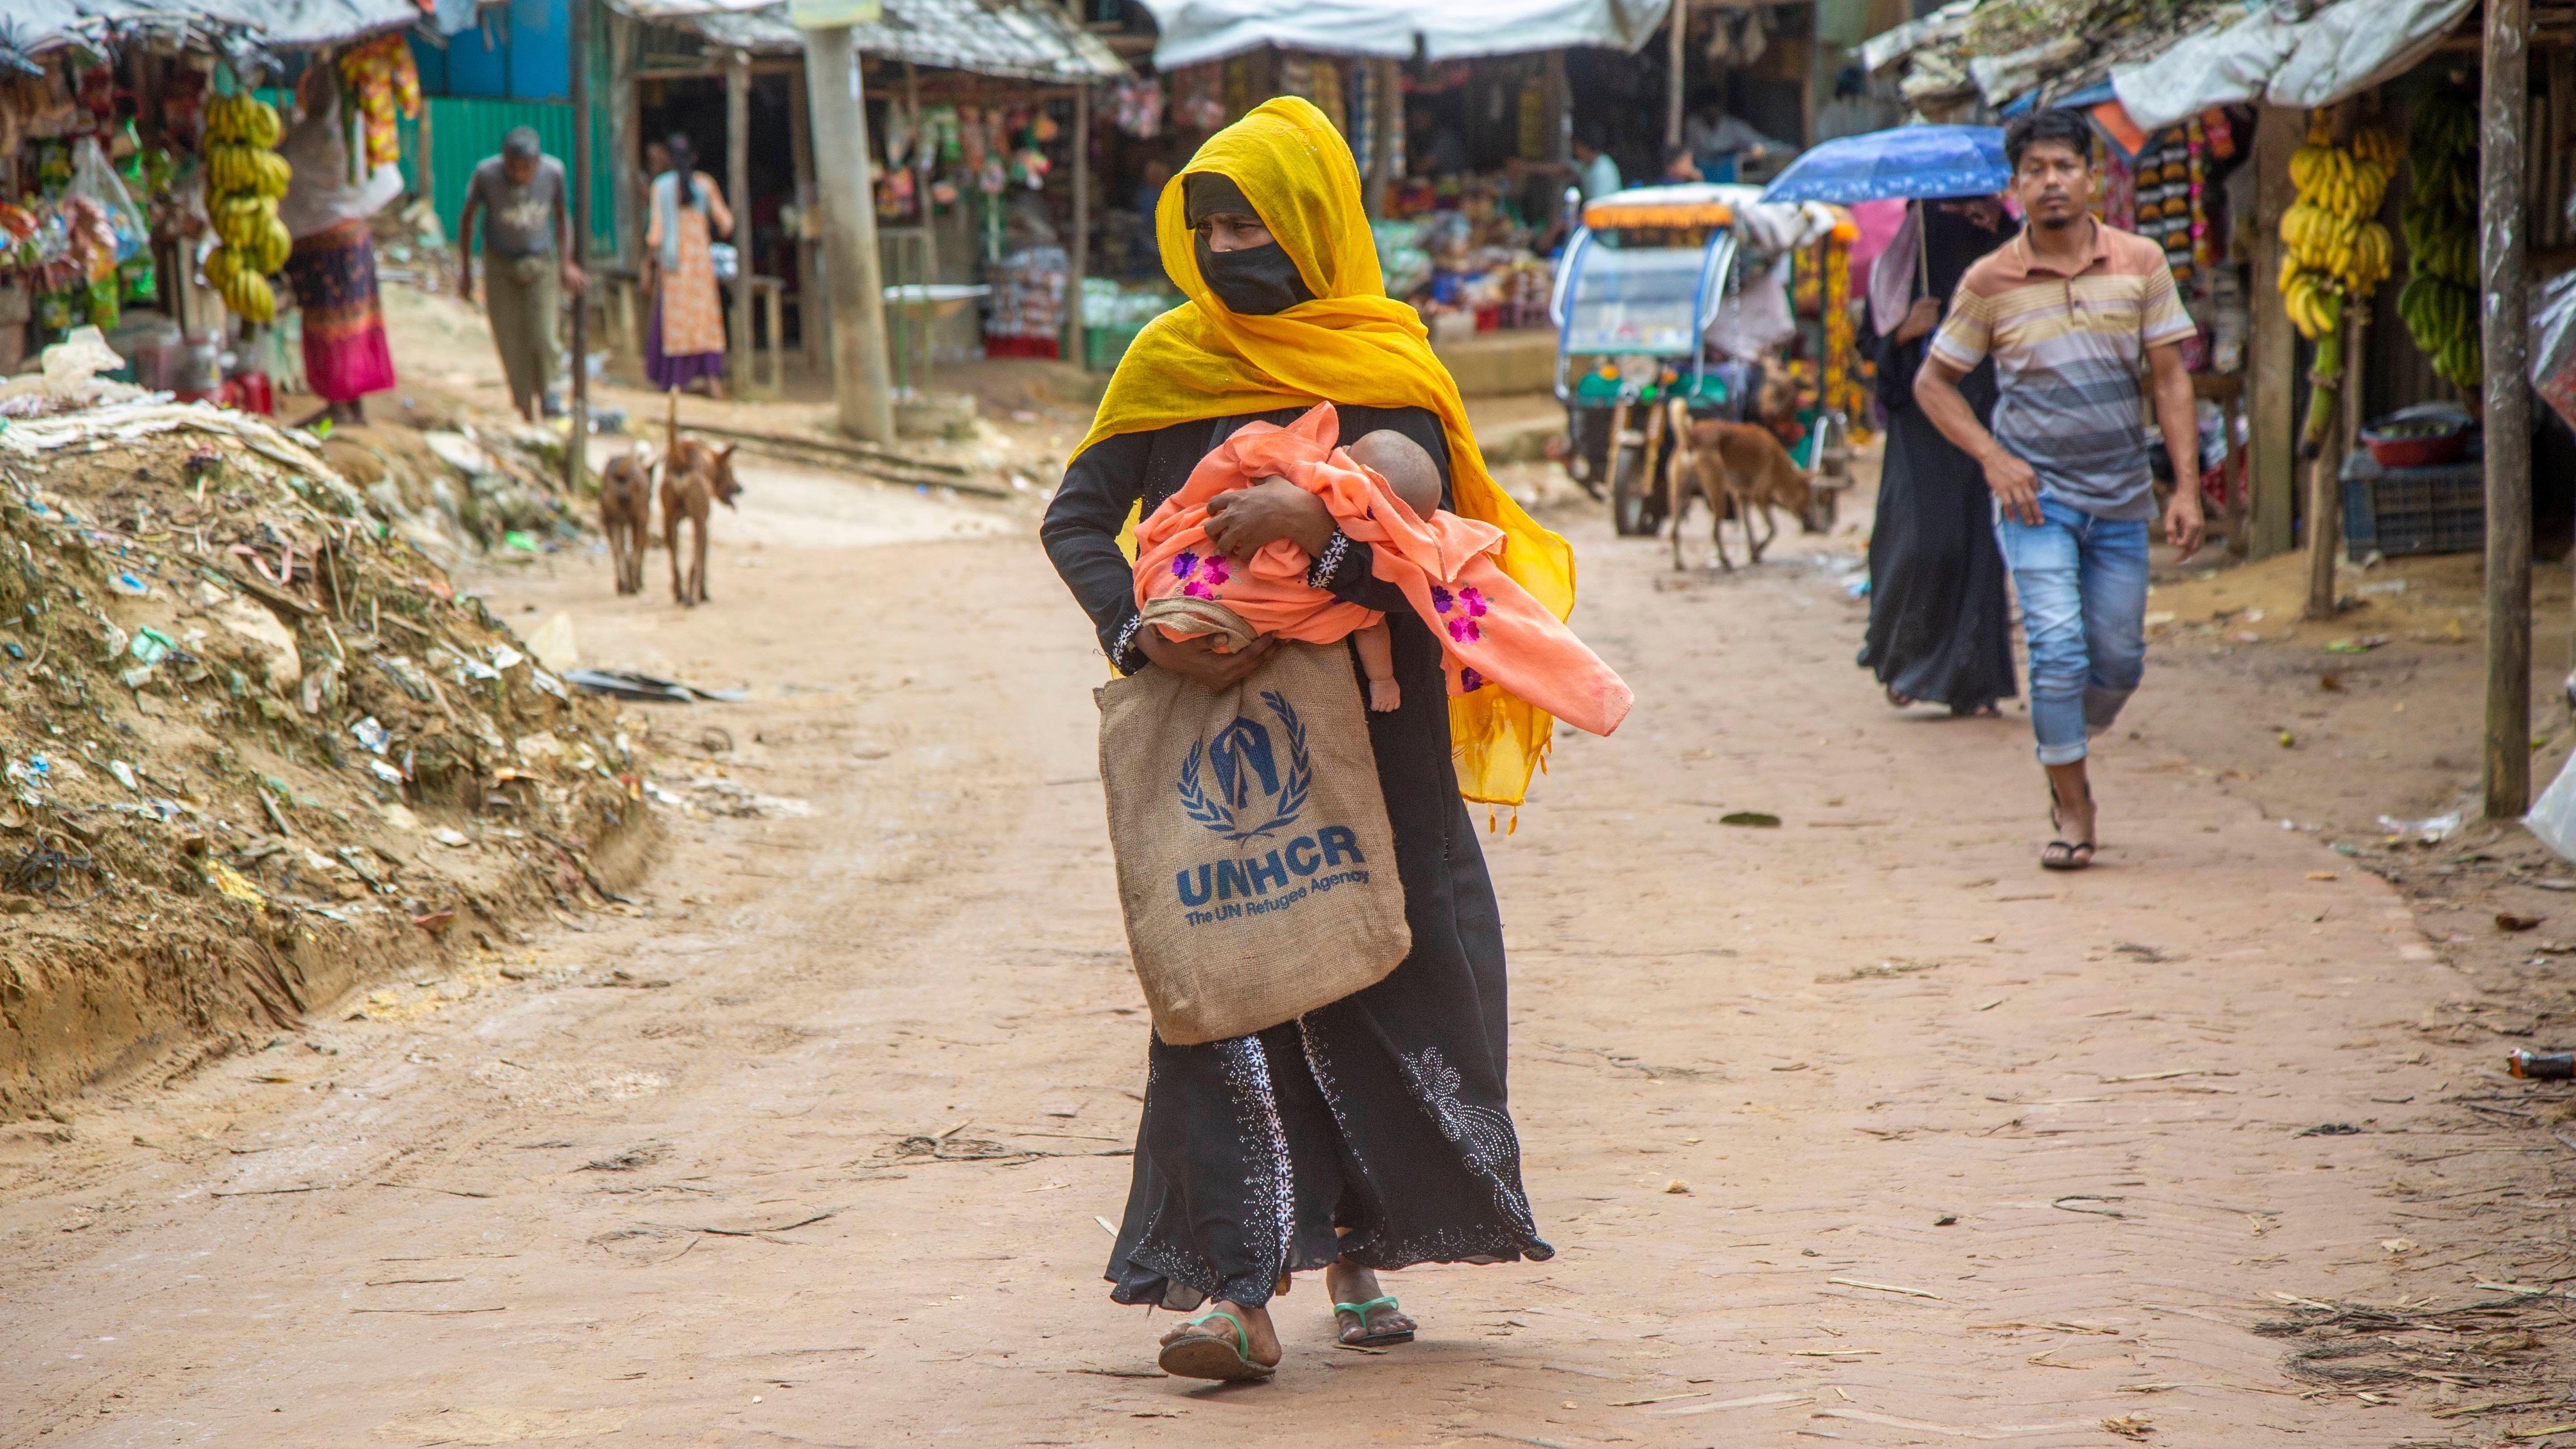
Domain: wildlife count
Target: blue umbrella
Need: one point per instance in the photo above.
(1908, 162)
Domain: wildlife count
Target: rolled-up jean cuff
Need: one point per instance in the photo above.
(2062, 754)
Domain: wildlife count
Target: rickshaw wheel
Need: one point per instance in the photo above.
(1632, 510)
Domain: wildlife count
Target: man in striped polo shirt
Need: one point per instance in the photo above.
(2072, 312)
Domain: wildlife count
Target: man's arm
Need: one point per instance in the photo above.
(572, 277)
(1936, 391)
(2178, 418)
(465, 243)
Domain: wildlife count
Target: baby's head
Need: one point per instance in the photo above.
(1405, 465)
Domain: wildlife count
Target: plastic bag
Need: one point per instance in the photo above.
(94, 178)
(2553, 346)
(2553, 816)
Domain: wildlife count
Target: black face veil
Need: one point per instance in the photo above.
(1253, 282)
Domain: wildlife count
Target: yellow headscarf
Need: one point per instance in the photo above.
(1353, 345)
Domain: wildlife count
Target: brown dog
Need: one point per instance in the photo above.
(626, 515)
(1739, 468)
(695, 477)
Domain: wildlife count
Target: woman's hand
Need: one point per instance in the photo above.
(1242, 522)
(1196, 658)
(1919, 319)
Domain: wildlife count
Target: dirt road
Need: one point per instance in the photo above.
(1857, 1128)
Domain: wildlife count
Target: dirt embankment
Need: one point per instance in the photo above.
(256, 748)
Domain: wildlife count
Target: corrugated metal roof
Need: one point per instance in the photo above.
(1020, 39)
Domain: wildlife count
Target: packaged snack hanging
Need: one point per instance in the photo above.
(92, 177)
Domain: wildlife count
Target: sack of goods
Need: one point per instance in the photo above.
(1255, 863)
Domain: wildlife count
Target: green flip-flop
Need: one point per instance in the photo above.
(1210, 1356)
(1360, 1313)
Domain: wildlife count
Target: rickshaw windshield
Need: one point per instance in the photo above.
(1634, 300)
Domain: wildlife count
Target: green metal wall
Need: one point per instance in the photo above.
(465, 131)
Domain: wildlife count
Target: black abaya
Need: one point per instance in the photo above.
(1383, 1113)
(1939, 629)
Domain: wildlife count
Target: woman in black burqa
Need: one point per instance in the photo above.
(1373, 1133)
(1939, 627)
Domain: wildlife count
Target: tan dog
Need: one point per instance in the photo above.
(1740, 468)
(695, 477)
(626, 514)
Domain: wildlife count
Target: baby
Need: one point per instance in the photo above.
(1409, 472)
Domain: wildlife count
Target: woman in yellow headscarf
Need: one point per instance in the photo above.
(1372, 1133)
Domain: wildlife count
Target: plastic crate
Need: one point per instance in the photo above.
(1102, 346)
(2399, 511)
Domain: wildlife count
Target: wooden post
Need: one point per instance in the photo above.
(2271, 361)
(1081, 250)
(626, 131)
(800, 146)
(1386, 123)
(2325, 477)
(738, 196)
(841, 172)
(1560, 119)
(577, 441)
(2505, 107)
(1680, 26)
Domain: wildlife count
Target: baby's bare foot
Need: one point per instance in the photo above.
(1385, 695)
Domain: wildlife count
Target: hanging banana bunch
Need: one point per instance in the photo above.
(2333, 255)
(244, 179)
(2439, 302)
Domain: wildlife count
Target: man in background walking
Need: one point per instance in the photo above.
(527, 243)
(2071, 311)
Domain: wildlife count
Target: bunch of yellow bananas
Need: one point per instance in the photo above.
(2332, 250)
(244, 119)
(244, 180)
(2439, 303)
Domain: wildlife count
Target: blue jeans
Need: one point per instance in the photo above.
(2083, 587)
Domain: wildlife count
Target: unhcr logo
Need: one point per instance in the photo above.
(1250, 780)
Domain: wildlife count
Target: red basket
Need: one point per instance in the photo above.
(2416, 443)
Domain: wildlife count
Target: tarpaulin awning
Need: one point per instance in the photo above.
(1017, 39)
(1196, 31)
(32, 26)
(2339, 51)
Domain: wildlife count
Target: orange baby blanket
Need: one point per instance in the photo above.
(1493, 634)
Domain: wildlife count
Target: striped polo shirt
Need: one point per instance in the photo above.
(2069, 351)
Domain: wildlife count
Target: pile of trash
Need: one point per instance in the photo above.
(1993, 51)
(465, 489)
(253, 744)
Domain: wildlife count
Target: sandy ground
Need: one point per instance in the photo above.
(1859, 1128)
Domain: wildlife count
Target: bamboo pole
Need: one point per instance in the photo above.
(2505, 109)
(738, 187)
(1679, 26)
(1081, 249)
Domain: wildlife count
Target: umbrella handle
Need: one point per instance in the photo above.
(1922, 249)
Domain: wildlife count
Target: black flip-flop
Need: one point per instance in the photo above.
(2060, 854)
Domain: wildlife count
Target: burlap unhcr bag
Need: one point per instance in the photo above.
(1255, 863)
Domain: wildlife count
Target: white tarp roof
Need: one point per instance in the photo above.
(1018, 39)
(2342, 49)
(1197, 31)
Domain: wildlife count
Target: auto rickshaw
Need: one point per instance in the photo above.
(1641, 280)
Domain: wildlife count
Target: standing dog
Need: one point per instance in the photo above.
(695, 477)
(1740, 468)
(626, 514)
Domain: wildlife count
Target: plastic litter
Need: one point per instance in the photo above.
(151, 646)
(371, 734)
(630, 684)
(130, 586)
(2552, 820)
(2430, 830)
